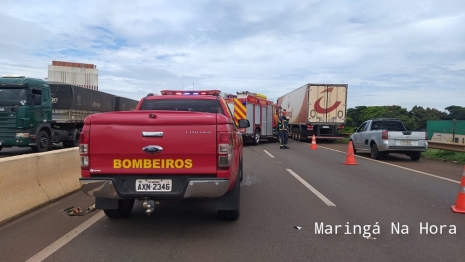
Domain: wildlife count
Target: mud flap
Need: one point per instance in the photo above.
(106, 203)
(230, 200)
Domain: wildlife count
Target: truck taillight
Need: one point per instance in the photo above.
(224, 149)
(384, 134)
(426, 135)
(84, 140)
(309, 127)
(340, 127)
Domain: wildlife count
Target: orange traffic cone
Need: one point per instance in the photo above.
(350, 159)
(313, 146)
(460, 204)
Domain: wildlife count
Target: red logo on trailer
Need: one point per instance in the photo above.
(322, 110)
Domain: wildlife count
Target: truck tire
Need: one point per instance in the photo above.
(43, 142)
(374, 152)
(72, 143)
(124, 209)
(256, 137)
(1, 147)
(228, 205)
(299, 135)
(415, 156)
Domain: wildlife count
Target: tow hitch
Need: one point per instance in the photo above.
(149, 205)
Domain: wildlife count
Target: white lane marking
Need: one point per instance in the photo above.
(316, 192)
(268, 153)
(52, 248)
(405, 168)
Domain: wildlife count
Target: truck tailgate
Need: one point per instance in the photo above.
(153, 143)
(407, 138)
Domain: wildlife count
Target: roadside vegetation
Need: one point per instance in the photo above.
(445, 155)
(414, 119)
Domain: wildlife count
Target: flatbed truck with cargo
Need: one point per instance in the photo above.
(37, 113)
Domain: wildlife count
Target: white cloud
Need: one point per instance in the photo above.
(389, 52)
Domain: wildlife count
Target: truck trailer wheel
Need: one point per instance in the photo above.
(43, 142)
(124, 209)
(72, 143)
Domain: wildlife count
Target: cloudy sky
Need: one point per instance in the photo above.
(392, 52)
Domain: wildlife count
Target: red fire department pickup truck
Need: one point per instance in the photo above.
(177, 145)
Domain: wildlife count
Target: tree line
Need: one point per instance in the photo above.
(414, 119)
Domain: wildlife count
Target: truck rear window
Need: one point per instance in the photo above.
(390, 126)
(194, 105)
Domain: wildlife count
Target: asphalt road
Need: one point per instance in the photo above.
(292, 203)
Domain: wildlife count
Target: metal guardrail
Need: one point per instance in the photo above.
(447, 146)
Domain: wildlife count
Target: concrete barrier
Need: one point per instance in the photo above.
(30, 181)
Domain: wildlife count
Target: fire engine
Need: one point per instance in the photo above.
(261, 113)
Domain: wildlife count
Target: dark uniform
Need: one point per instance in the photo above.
(283, 132)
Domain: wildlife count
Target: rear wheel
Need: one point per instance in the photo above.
(43, 142)
(374, 151)
(72, 143)
(124, 209)
(1, 148)
(415, 156)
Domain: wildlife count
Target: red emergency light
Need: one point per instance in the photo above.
(191, 92)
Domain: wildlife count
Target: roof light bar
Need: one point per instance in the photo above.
(186, 92)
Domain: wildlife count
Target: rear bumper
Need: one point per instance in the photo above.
(120, 188)
(384, 146)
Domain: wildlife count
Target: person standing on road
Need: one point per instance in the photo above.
(283, 124)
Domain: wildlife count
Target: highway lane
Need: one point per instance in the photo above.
(273, 201)
(374, 191)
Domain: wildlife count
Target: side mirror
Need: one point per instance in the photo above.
(244, 123)
(37, 99)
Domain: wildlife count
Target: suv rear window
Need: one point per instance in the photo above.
(194, 105)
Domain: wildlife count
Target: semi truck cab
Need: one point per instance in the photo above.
(25, 113)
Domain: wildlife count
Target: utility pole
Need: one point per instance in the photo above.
(192, 85)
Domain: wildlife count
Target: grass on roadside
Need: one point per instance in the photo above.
(342, 141)
(449, 156)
